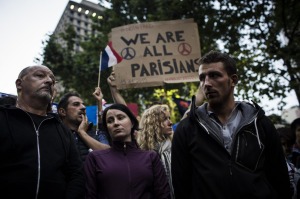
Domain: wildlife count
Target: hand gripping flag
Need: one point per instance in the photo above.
(109, 57)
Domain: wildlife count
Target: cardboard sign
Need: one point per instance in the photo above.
(155, 53)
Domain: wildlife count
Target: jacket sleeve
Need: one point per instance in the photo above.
(74, 170)
(90, 175)
(161, 184)
(275, 166)
(181, 168)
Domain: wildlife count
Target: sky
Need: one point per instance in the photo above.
(25, 24)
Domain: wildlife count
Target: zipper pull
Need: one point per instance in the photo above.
(37, 132)
(230, 171)
(124, 148)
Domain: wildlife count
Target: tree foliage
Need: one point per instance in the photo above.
(263, 35)
(75, 70)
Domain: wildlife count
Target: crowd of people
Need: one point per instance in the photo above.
(221, 148)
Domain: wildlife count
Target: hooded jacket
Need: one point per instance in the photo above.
(82, 147)
(125, 172)
(202, 167)
(38, 161)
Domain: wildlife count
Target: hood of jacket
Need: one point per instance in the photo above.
(250, 113)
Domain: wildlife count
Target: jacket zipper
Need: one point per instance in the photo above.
(230, 171)
(124, 148)
(253, 119)
(234, 139)
(238, 131)
(214, 137)
(128, 168)
(38, 151)
(229, 164)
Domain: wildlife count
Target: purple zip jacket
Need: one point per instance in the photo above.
(126, 172)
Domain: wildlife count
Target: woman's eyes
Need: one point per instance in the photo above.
(109, 121)
(119, 118)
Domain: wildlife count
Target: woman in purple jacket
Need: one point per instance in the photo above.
(124, 171)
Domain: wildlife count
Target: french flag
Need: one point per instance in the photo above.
(109, 57)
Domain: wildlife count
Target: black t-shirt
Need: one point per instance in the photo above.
(37, 119)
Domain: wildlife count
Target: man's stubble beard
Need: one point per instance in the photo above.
(44, 96)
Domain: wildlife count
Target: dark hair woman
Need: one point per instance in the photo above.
(124, 170)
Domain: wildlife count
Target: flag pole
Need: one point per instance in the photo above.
(99, 74)
(100, 69)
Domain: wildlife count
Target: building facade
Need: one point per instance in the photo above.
(82, 16)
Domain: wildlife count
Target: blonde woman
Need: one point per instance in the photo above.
(156, 134)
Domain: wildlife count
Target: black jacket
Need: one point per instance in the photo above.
(82, 147)
(38, 162)
(203, 168)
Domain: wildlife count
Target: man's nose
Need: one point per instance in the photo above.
(207, 81)
(49, 80)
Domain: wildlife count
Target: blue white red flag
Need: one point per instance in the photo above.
(109, 57)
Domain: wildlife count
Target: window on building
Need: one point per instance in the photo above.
(77, 48)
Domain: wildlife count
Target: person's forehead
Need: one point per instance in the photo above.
(74, 99)
(214, 65)
(112, 112)
(35, 69)
(206, 68)
(166, 112)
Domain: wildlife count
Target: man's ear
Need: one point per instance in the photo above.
(18, 84)
(234, 79)
(62, 112)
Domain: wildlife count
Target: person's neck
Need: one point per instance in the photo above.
(28, 107)
(223, 111)
(71, 126)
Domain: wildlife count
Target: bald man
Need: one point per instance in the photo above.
(39, 158)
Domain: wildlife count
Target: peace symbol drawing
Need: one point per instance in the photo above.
(184, 49)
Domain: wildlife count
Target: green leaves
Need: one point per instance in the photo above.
(264, 36)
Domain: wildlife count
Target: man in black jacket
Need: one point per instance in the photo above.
(38, 154)
(72, 111)
(226, 149)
